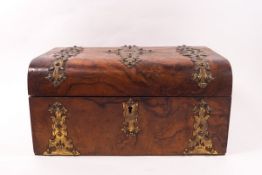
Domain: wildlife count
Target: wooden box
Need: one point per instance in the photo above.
(130, 101)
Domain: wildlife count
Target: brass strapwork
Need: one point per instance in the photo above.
(201, 143)
(60, 143)
(202, 74)
(130, 55)
(56, 71)
(130, 112)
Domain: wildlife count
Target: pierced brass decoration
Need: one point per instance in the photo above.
(130, 113)
(202, 74)
(56, 71)
(130, 54)
(60, 143)
(201, 143)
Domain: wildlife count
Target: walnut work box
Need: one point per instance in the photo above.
(130, 100)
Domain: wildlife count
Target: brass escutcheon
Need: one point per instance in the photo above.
(130, 112)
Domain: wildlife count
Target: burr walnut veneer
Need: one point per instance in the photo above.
(130, 100)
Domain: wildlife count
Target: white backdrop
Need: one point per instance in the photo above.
(231, 27)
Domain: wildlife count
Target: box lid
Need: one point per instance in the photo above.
(130, 71)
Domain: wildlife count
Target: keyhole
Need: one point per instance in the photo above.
(130, 109)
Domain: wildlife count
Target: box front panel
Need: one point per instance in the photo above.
(129, 126)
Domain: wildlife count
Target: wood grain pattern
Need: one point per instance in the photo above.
(94, 124)
(95, 72)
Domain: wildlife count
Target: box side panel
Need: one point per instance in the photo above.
(94, 125)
